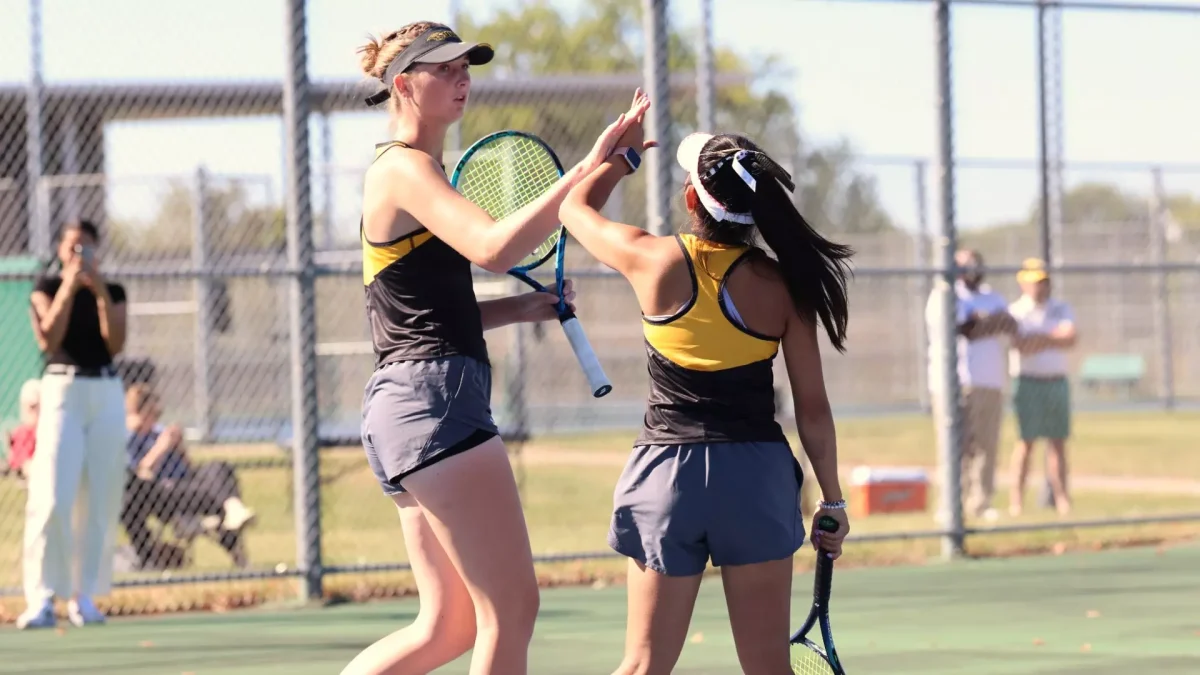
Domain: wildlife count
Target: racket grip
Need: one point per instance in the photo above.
(824, 571)
(597, 380)
(824, 581)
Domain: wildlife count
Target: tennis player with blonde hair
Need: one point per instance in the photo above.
(427, 424)
(711, 475)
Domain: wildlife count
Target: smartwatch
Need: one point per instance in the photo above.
(631, 157)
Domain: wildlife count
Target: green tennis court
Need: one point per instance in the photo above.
(1111, 612)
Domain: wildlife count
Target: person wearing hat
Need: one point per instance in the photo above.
(427, 425)
(1041, 392)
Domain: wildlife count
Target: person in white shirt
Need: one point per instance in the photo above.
(1042, 393)
(982, 319)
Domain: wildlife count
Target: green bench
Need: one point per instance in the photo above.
(1123, 371)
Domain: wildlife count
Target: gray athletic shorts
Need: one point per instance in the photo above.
(417, 413)
(675, 506)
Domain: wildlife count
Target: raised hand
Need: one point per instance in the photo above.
(635, 136)
(614, 132)
(74, 274)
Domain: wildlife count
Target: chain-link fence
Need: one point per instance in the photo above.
(228, 208)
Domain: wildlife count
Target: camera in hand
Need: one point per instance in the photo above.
(85, 252)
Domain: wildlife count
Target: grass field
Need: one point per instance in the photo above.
(1123, 465)
(1114, 444)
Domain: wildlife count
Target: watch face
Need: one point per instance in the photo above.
(633, 158)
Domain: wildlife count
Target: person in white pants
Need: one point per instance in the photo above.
(79, 321)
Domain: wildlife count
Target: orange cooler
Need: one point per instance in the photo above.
(888, 490)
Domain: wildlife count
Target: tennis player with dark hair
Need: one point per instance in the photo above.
(427, 424)
(79, 323)
(711, 474)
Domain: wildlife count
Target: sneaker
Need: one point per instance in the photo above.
(81, 611)
(37, 617)
(237, 516)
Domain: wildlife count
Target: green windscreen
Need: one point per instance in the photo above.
(20, 359)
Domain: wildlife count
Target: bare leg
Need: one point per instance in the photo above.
(445, 626)
(1019, 472)
(759, 598)
(471, 503)
(1056, 468)
(660, 611)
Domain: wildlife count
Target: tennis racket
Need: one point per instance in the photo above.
(808, 658)
(503, 172)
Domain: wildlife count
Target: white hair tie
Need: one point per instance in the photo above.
(714, 207)
(742, 173)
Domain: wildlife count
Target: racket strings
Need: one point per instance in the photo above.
(506, 175)
(806, 661)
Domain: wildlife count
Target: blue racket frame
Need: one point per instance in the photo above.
(583, 351)
(819, 613)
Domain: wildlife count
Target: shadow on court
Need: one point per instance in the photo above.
(1112, 612)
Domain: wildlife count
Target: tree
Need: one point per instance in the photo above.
(233, 223)
(833, 196)
(1086, 208)
(538, 39)
(1184, 210)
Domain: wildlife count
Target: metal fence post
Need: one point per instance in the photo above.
(202, 296)
(706, 104)
(924, 262)
(657, 74)
(39, 239)
(454, 9)
(328, 230)
(68, 126)
(1049, 60)
(516, 382)
(1162, 291)
(305, 445)
(949, 431)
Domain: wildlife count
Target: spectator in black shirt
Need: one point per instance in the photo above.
(79, 321)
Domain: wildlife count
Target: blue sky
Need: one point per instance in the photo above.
(860, 71)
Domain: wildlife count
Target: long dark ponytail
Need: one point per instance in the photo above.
(814, 269)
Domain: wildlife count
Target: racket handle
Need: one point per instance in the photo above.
(824, 571)
(597, 380)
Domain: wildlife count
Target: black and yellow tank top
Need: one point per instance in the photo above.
(420, 297)
(710, 377)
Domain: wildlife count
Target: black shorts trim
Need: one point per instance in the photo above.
(476, 439)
